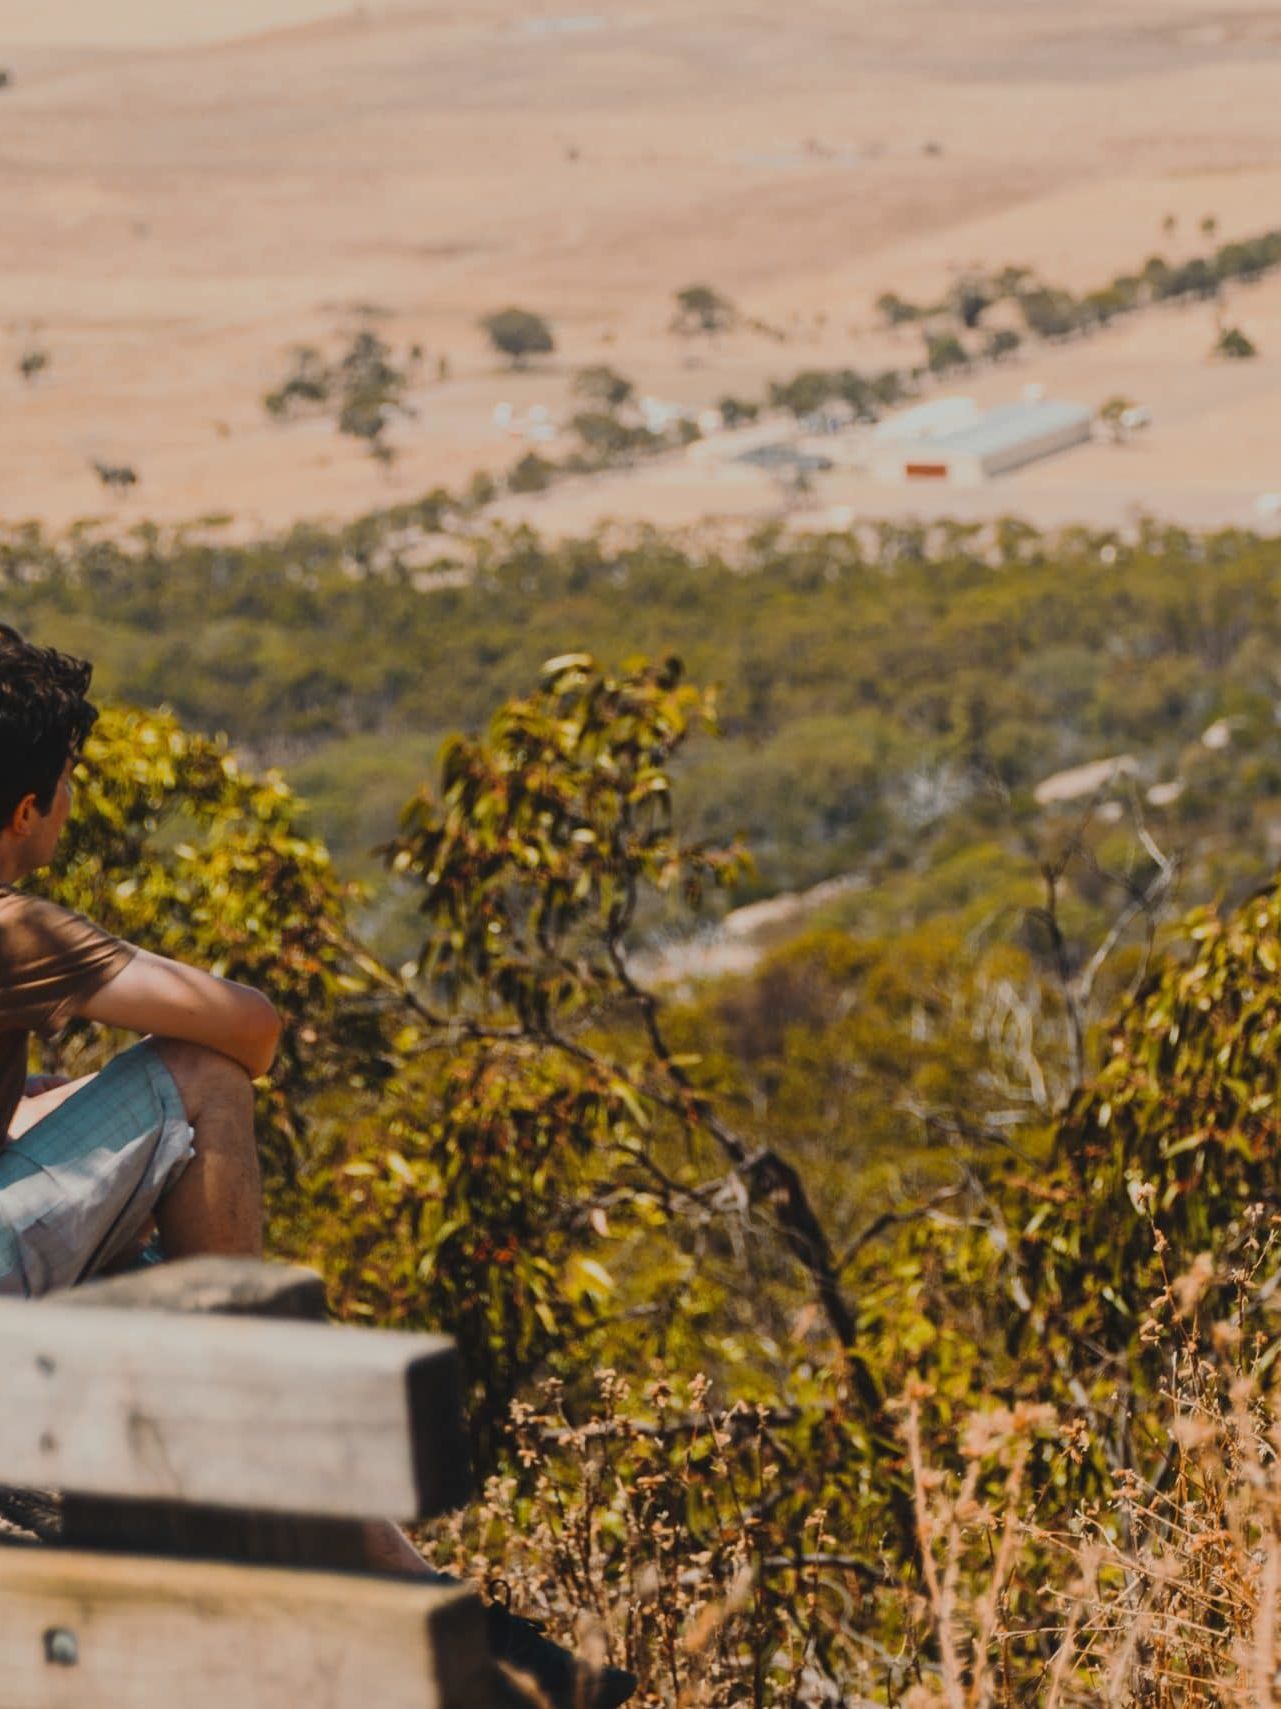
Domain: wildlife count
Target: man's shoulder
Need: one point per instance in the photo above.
(27, 918)
(19, 906)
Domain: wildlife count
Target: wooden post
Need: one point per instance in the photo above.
(324, 1423)
(223, 1287)
(84, 1631)
(320, 1531)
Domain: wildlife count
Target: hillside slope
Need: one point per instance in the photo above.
(177, 217)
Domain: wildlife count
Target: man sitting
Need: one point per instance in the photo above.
(164, 1134)
(163, 1137)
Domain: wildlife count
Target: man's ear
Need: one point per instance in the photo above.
(25, 815)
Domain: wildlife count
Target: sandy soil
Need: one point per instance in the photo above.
(178, 213)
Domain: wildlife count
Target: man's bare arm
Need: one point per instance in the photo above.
(155, 995)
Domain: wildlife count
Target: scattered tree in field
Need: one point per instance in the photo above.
(813, 388)
(1195, 278)
(1001, 343)
(603, 386)
(701, 310)
(306, 386)
(1010, 281)
(1117, 416)
(1249, 259)
(890, 387)
(1170, 224)
(970, 300)
(611, 441)
(1049, 313)
(365, 386)
(33, 362)
(737, 412)
(895, 310)
(533, 474)
(519, 334)
(1100, 307)
(806, 392)
(945, 352)
(1233, 344)
(482, 490)
(116, 477)
(371, 393)
(6, 79)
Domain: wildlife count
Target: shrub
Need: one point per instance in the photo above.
(1113, 414)
(1050, 313)
(519, 334)
(738, 412)
(116, 477)
(970, 300)
(33, 361)
(945, 352)
(307, 385)
(533, 474)
(895, 310)
(701, 310)
(1233, 344)
(1001, 343)
(610, 439)
(364, 384)
(603, 386)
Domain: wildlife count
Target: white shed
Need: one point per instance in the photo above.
(928, 420)
(1002, 439)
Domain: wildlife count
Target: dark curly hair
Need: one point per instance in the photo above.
(44, 719)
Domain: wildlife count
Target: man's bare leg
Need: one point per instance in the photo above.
(35, 1109)
(216, 1204)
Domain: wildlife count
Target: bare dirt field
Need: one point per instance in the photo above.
(179, 212)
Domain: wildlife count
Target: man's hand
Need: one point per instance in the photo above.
(152, 994)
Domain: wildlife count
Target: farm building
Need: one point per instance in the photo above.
(928, 420)
(981, 446)
(791, 458)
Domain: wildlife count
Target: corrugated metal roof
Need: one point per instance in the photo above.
(1009, 425)
(781, 456)
(929, 420)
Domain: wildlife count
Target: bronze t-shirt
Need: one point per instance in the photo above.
(51, 961)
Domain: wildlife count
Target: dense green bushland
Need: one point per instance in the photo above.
(971, 1179)
(887, 701)
(1067, 1318)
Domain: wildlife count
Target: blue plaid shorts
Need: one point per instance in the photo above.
(79, 1188)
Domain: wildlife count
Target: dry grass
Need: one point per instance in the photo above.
(649, 1537)
(1164, 1594)
(644, 1538)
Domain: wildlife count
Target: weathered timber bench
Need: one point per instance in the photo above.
(216, 1475)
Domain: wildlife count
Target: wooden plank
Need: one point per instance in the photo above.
(235, 1287)
(109, 1632)
(240, 1287)
(231, 1412)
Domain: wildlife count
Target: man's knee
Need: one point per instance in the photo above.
(205, 1078)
